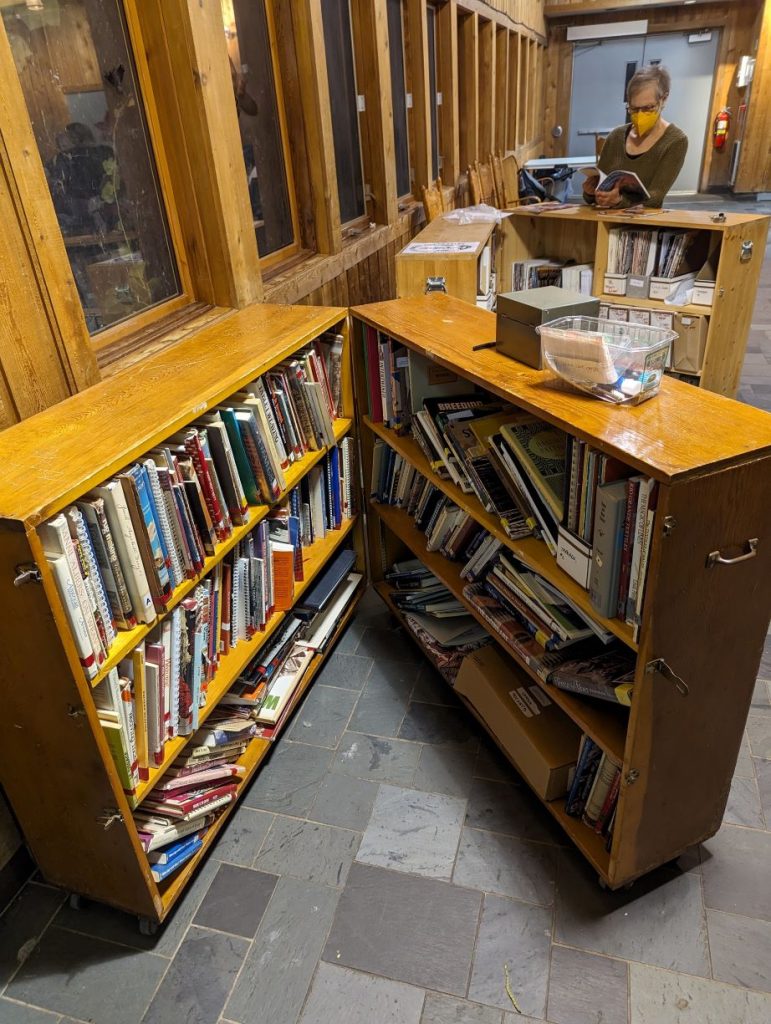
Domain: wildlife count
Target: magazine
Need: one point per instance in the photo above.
(627, 181)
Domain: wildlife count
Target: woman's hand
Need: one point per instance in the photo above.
(610, 199)
(590, 186)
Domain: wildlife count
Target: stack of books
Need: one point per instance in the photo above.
(538, 273)
(118, 553)
(440, 623)
(593, 795)
(667, 253)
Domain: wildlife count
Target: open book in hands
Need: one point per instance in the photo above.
(625, 181)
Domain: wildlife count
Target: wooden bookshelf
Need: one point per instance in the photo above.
(703, 621)
(57, 768)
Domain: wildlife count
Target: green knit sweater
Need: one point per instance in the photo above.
(656, 169)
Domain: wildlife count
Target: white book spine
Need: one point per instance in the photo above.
(129, 729)
(56, 537)
(80, 530)
(643, 496)
(261, 393)
(74, 613)
(122, 530)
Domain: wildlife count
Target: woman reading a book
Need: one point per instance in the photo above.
(650, 150)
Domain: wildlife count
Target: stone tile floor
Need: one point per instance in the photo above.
(388, 863)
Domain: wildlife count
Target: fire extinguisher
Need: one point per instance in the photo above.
(720, 129)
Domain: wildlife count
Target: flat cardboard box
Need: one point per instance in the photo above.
(537, 734)
(688, 347)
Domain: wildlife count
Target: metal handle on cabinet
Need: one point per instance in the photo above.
(715, 558)
(660, 666)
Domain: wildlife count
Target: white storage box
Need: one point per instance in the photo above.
(615, 284)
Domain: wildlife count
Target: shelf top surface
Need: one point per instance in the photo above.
(649, 219)
(447, 232)
(57, 455)
(683, 431)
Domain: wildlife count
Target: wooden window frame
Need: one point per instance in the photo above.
(405, 197)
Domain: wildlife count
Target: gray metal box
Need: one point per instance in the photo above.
(519, 313)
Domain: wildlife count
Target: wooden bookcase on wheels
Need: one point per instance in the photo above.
(57, 768)
(708, 593)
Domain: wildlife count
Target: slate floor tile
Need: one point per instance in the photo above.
(384, 701)
(388, 644)
(662, 997)
(18, 1013)
(519, 935)
(324, 714)
(506, 865)
(741, 950)
(278, 968)
(761, 697)
(25, 918)
(432, 688)
(417, 930)
(512, 809)
(199, 979)
(349, 641)
(439, 1009)
(105, 922)
(345, 670)
(759, 732)
(236, 900)
(659, 921)
(737, 872)
(376, 758)
(491, 764)
(446, 769)
(306, 849)
(348, 997)
(290, 779)
(413, 831)
(743, 807)
(430, 723)
(344, 801)
(763, 773)
(586, 989)
(243, 836)
(744, 766)
(86, 978)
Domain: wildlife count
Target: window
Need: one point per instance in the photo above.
(399, 96)
(80, 86)
(338, 43)
(432, 90)
(261, 121)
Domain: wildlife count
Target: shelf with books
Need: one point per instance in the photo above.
(235, 661)
(126, 640)
(605, 724)
(251, 760)
(531, 550)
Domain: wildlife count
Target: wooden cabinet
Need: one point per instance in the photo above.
(56, 767)
(708, 595)
(462, 255)
(582, 235)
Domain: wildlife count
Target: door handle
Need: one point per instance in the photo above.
(715, 558)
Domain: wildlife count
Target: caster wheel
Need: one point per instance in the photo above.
(75, 901)
(602, 883)
(147, 926)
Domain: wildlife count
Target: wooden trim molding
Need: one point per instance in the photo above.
(417, 56)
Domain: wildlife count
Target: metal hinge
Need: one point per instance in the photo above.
(631, 776)
(660, 666)
(27, 573)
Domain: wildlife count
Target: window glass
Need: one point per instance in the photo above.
(259, 121)
(77, 73)
(338, 43)
(432, 90)
(399, 96)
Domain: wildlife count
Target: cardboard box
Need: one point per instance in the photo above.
(640, 316)
(537, 734)
(574, 556)
(519, 313)
(637, 286)
(703, 293)
(614, 284)
(664, 288)
(618, 314)
(688, 347)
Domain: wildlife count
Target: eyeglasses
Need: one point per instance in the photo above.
(650, 109)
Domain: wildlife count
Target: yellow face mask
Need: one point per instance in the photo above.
(644, 120)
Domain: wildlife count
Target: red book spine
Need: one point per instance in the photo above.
(227, 577)
(632, 488)
(325, 379)
(195, 451)
(610, 803)
(186, 806)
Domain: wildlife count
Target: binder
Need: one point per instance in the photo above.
(320, 593)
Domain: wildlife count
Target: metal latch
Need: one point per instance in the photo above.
(109, 818)
(436, 284)
(745, 252)
(27, 573)
(660, 666)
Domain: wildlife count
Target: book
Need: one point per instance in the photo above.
(626, 181)
(583, 779)
(606, 675)
(604, 778)
(175, 850)
(607, 547)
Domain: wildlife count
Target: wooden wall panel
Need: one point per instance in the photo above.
(754, 172)
(487, 87)
(501, 86)
(420, 116)
(447, 54)
(468, 87)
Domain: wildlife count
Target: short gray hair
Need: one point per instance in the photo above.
(651, 74)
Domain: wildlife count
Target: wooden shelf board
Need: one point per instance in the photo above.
(531, 550)
(126, 640)
(170, 889)
(603, 724)
(235, 661)
(664, 307)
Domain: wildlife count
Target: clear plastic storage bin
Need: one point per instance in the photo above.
(617, 362)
